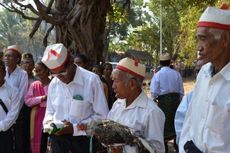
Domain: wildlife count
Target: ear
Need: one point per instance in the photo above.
(132, 84)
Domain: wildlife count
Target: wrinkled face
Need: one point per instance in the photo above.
(27, 65)
(210, 45)
(11, 58)
(120, 87)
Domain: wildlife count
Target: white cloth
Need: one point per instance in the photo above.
(180, 114)
(166, 80)
(207, 122)
(18, 79)
(144, 117)
(10, 97)
(62, 106)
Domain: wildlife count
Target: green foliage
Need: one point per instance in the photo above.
(15, 30)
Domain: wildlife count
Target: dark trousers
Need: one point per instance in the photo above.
(22, 131)
(6, 142)
(44, 141)
(75, 144)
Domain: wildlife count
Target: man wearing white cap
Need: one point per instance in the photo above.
(167, 87)
(133, 108)
(207, 122)
(75, 97)
(18, 78)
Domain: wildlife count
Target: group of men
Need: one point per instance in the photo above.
(75, 97)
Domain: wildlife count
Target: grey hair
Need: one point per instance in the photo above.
(126, 77)
(218, 33)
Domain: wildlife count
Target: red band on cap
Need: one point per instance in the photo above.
(119, 67)
(213, 25)
(15, 50)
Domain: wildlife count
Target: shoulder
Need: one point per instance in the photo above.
(152, 108)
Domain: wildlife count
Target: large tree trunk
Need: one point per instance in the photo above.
(84, 26)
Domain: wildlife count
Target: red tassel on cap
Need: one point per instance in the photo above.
(224, 6)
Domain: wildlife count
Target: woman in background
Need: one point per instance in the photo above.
(36, 98)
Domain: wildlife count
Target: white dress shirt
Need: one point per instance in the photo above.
(180, 114)
(61, 104)
(142, 116)
(166, 80)
(18, 79)
(10, 97)
(207, 122)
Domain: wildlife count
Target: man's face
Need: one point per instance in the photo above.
(11, 58)
(210, 45)
(119, 86)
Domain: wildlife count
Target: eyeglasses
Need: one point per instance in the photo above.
(58, 74)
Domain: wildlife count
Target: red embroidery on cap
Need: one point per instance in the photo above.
(54, 53)
(224, 6)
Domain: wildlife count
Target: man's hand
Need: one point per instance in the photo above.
(68, 129)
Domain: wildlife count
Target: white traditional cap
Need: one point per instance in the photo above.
(165, 57)
(216, 18)
(55, 57)
(132, 67)
(15, 48)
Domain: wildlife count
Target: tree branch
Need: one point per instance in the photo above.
(45, 16)
(46, 36)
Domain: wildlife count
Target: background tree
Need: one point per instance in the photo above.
(79, 24)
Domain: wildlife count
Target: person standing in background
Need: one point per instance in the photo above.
(27, 64)
(18, 78)
(36, 98)
(107, 71)
(9, 110)
(167, 88)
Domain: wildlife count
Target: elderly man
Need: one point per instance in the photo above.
(133, 108)
(9, 110)
(206, 124)
(75, 97)
(18, 78)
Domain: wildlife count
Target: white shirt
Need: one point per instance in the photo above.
(166, 80)
(10, 97)
(144, 116)
(19, 79)
(180, 114)
(62, 106)
(207, 122)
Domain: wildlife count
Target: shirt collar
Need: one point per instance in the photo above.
(78, 78)
(14, 72)
(140, 101)
(225, 71)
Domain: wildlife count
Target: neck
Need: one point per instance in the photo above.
(219, 64)
(134, 94)
(11, 69)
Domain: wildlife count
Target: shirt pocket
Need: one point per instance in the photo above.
(217, 118)
(80, 109)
